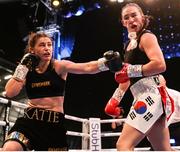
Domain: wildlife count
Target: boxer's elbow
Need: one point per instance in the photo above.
(9, 94)
(162, 67)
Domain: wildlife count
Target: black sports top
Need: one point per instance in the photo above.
(47, 84)
(136, 56)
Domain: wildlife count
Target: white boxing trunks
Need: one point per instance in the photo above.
(147, 106)
(176, 97)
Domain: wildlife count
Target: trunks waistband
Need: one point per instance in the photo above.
(43, 115)
(145, 84)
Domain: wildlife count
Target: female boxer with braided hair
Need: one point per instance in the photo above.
(143, 62)
(42, 127)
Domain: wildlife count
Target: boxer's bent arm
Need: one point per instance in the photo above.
(13, 87)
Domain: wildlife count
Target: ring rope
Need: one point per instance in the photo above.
(73, 133)
(76, 118)
(22, 105)
(14, 103)
(3, 123)
(84, 122)
(112, 134)
(113, 120)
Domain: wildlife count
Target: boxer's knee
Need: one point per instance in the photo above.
(19, 139)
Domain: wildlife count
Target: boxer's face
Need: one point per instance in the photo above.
(132, 19)
(43, 48)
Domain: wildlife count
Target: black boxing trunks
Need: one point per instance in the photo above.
(43, 130)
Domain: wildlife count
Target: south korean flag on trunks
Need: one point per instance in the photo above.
(145, 111)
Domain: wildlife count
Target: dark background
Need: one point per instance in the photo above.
(95, 32)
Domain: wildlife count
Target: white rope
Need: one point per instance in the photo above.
(115, 150)
(14, 103)
(3, 123)
(76, 118)
(112, 120)
(135, 149)
(108, 134)
(22, 105)
(73, 133)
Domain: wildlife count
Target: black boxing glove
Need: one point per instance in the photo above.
(113, 61)
(30, 61)
(27, 63)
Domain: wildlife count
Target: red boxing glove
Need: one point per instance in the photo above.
(122, 75)
(112, 108)
(128, 71)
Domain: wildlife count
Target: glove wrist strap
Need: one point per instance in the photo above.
(20, 72)
(134, 71)
(118, 94)
(101, 64)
